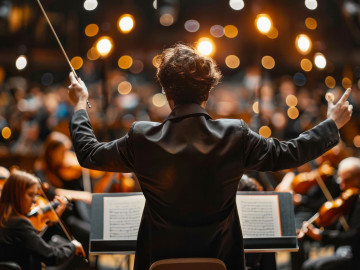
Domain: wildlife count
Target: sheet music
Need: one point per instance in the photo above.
(122, 217)
(259, 215)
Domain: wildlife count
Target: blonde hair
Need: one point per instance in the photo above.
(13, 193)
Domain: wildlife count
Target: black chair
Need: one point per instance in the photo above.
(9, 266)
(189, 264)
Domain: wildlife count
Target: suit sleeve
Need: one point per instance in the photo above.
(272, 155)
(50, 255)
(115, 156)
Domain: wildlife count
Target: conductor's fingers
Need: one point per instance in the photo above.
(329, 98)
(345, 95)
(73, 80)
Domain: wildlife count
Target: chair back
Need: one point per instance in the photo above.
(9, 266)
(189, 264)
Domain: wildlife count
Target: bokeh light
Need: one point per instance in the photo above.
(268, 62)
(90, 5)
(330, 82)
(356, 141)
(265, 131)
(291, 100)
(232, 61)
(77, 62)
(255, 107)
(159, 100)
(230, 31)
(311, 23)
(104, 45)
(6, 133)
(166, 19)
(156, 61)
(293, 112)
(126, 23)
(93, 54)
(217, 31)
(21, 62)
(125, 62)
(311, 4)
(124, 88)
(320, 60)
(192, 26)
(137, 67)
(346, 82)
(273, 33)
(237, 4)
(263, 23)
(306, 65)
(205, 46)
(91, 30)
(303, 43)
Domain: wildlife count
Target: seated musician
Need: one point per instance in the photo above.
(59, 168)
(19, 241)
(344, 239)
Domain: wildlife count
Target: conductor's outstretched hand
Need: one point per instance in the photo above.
(78, 93)
(341, 111)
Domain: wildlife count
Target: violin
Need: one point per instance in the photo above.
(304, 181)
(43, 212)
(329, 212)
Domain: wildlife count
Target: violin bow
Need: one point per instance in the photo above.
(66, 231)
(61, 47)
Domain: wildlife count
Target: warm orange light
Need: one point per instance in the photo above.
(306, 65)
(91, 30)
(104, 45)
(205, 46)
(268, 62)
(125, 62)
(77, 62)
(265, 131)
(303, 43)
(6, 132)
(330, 82)
(124, 88)
(232, 61)
(293, 112)
(291, 100)
(230, 31)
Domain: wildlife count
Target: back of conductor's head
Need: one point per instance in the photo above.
(186, 75)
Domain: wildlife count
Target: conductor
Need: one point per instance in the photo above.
(189, 165)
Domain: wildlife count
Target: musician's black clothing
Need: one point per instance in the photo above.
(20, 243)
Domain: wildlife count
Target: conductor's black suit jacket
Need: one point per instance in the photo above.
(189, 167)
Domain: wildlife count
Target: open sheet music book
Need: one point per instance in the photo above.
(259, 216)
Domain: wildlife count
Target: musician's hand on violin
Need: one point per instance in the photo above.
(309, 230)
(341, 111)
(78, 92)
(61, 208)
(79, 250)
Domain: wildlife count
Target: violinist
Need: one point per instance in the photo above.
(19, 241)
(58, 168)
(343, 240)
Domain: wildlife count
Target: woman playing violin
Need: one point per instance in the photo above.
(19, 241)
(343, 240)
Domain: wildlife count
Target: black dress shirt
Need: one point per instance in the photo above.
(189, 167)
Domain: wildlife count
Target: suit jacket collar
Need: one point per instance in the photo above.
(187, 110)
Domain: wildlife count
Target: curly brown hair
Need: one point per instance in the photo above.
(186, 75)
